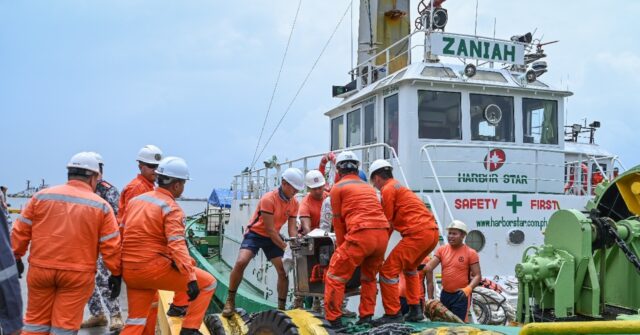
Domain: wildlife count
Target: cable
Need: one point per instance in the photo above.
(324, 48)
(275, 87)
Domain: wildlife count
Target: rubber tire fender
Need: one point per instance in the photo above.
(272, 322)
(214, 323)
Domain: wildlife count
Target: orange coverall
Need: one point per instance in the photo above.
(155, 257)
(67, 225)
(411, 218)
(137, 186)
(361, 236)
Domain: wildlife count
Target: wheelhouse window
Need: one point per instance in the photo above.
(337, 131)
(353, 128)
(439, 115)
(492, 118)
(369, 124)
(391, 121)
(540, 121)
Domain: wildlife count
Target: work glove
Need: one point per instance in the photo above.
(115, 282)
(20, 267)
(192, 290)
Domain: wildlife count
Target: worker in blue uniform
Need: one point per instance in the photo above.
(11, 312)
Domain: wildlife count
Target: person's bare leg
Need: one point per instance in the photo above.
(244, 257)
(283, 282)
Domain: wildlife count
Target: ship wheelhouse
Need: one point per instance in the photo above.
(430, 108)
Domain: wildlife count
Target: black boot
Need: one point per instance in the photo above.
(336, 324)
(365, 320)
(415, 313)
(178, 311)
(398, 318)
(190, 331)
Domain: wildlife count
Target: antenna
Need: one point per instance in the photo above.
(352, 66)
(495, 21)
(475, 29)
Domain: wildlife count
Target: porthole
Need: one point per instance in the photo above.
(475, 239)
(516, 237)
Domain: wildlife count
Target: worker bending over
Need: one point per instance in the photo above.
(410, 217)
(67, 226)
(154, 253)
(460, 270)
(274, 209)
(361, 239)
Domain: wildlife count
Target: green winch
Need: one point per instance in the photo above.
(568, 277)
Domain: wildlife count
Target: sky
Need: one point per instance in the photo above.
(195, 77)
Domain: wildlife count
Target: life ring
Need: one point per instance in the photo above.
(328, 158)
(569, 186)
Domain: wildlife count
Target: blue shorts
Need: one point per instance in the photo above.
(457, 303)
(255, 242)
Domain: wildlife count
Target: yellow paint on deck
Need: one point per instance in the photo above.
(14, 210)
(587, 327)
(234, 325)
(460, 330)
(171, 325)
(306, 322)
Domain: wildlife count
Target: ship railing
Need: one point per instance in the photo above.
(253, 184)
(380, 65)
(579, 181)
(374, 68)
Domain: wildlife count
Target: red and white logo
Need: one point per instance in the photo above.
(494, 159)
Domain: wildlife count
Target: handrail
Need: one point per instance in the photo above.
(252, 184)
(370, 62)
(433, 170)
(587, 157)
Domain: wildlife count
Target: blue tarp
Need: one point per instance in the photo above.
(221, 197)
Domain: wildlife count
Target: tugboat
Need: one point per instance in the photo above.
(467, 124)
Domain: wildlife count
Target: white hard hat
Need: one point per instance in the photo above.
(314, 178)
(347, 156)
(457, 224)
(294, 177)
(98, 157)
(150, 154)
(84, 160)
(377, 165)
(174, 167)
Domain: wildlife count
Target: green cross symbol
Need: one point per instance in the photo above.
(514, 203)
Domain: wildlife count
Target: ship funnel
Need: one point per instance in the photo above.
(382, 23)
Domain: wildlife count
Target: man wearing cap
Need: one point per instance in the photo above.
(274, 209)
(409, 216)
(460, 270)
(67, 226)
(97, 316)
(155, 256)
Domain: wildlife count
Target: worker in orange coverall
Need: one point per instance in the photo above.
(154, 253)
(361, 238)
(67, 225)
(410, 217)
